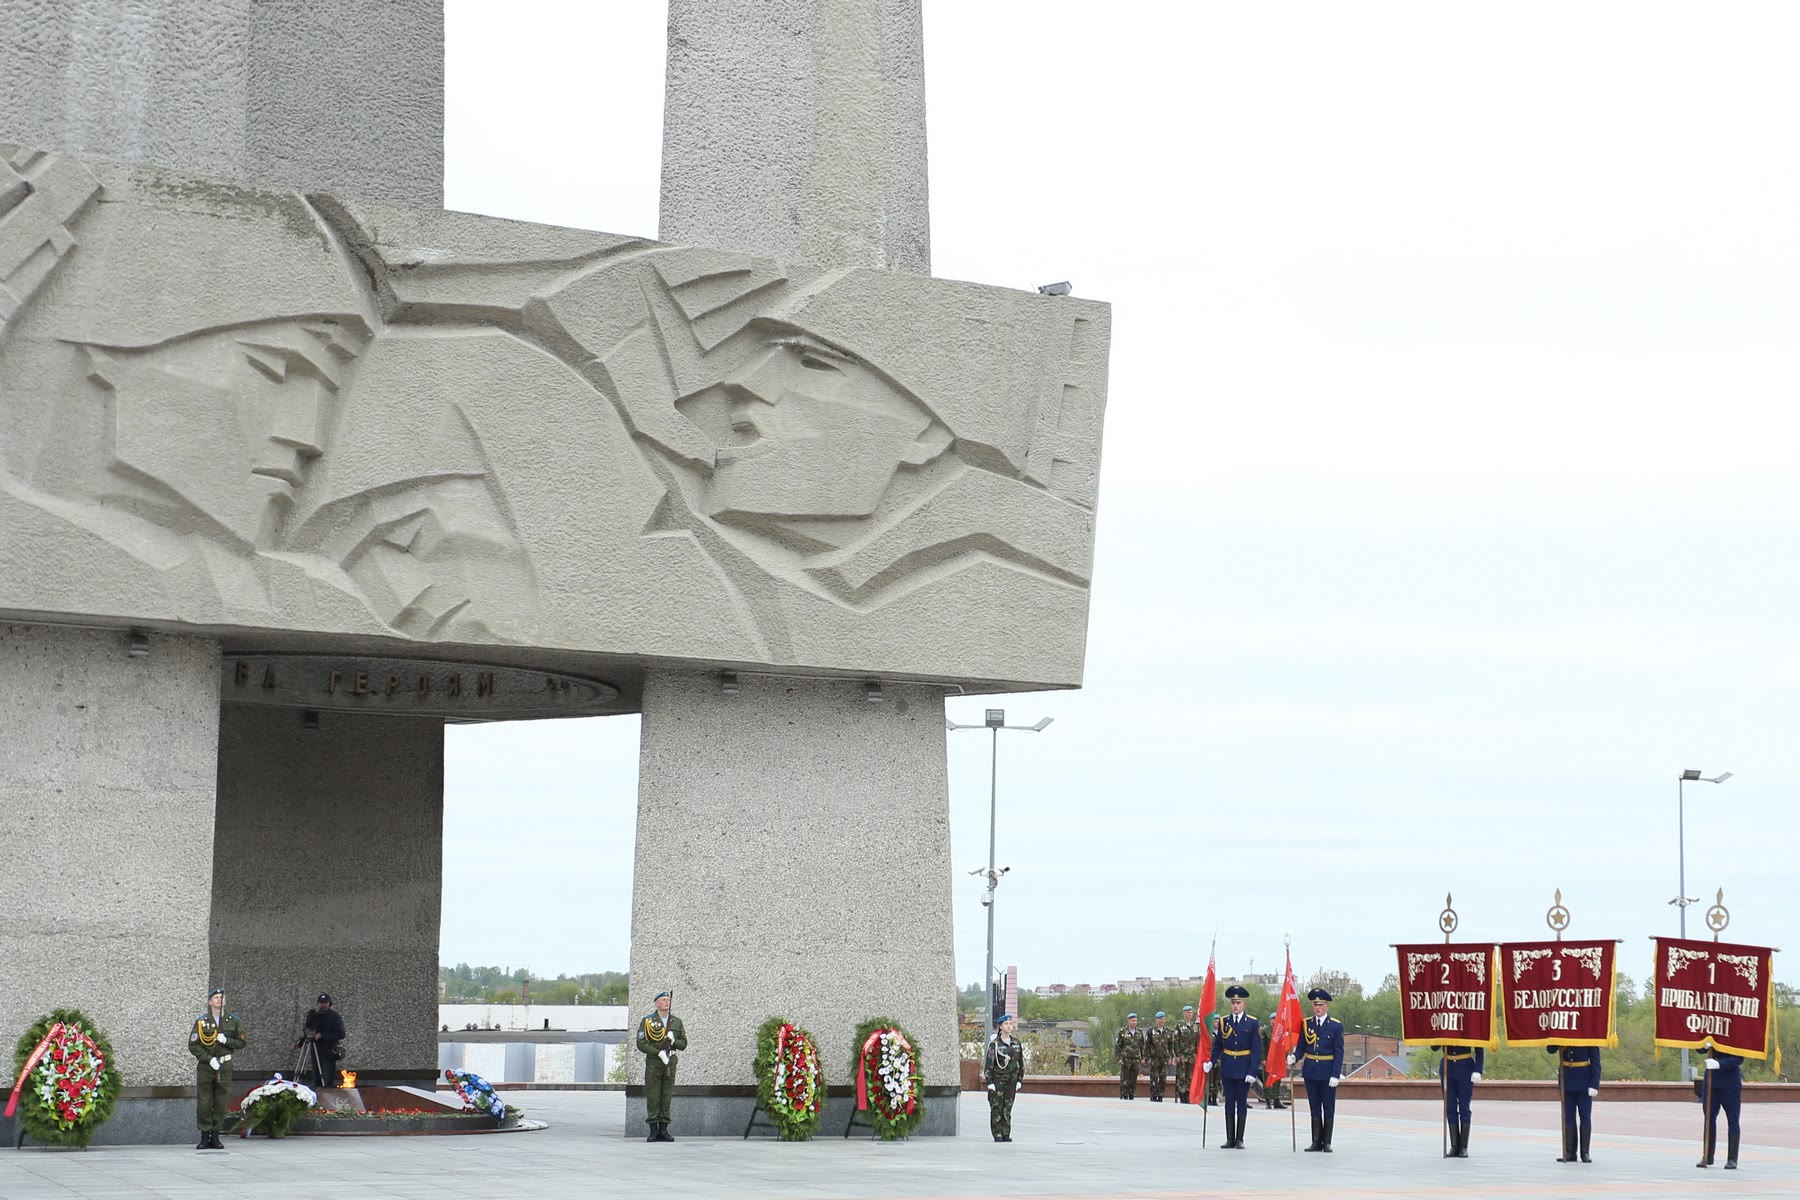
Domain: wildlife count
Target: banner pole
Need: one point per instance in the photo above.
(1706, 1107)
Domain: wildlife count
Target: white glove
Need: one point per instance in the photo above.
(1475, 1078)
(664, 1055)
(1206, 1068)
(225, 1058)
(1593, 1091)
(1712, 1064)
(215, 1063)
(990, 1087)
(1020, 1086)
(1290, 1060)
(1333, 1081)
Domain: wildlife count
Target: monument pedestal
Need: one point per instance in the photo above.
(327, 877)
(793, 858)
(107, 769)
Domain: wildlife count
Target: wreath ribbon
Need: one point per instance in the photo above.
(12, 1101)
(862, 1069)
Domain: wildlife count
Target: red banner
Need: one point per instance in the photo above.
(1209, 998)
(1448, 993)
(1715, 992)
(1284, 1031)
(1559, 993)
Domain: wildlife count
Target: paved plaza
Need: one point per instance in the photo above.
(1066, 1147)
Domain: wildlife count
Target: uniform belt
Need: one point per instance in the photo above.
(1582, 1063)
(1238, 1053)
(1458, 1057)
(1321, 1057)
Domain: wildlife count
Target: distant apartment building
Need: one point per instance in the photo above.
(1379, 1067)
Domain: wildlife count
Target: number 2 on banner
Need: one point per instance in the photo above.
(1446, 976)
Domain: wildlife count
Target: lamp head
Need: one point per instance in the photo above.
(1690, 775)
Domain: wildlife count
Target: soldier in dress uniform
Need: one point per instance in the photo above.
(1460, 1069)
(1580, 1072)
(1237, 1049)
(1159, 1047)
(1320, 1053)
(1128, 1048)
(1004, 1066)
(215, 1035)
(659, 1037)
(1187, 1049)
(1725, 1091)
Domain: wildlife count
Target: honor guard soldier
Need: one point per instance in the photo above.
(1579, 1068)
(1725, 1090)
(659, 1037)
(1187, 1049)
(1320, 1054)
(1159, 1047)
(1004, 1066)
(1460, 1070)
(216, 1034)
(1128, 1048)
(1236, 1052)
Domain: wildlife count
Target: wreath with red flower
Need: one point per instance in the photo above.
(889, 1077)
(66, 1085)
(790, 1079)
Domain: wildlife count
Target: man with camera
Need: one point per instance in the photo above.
(323, 1032)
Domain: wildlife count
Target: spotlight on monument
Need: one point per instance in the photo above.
(1055, 289)
(996, 718)
(728, 683)
(140, 643)
(872, 692)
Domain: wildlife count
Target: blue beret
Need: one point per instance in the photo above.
(1007, 1017)
(660, 995)
(218, 991)
(1187, 1008)
(1160, 1013)
(1131, 1016)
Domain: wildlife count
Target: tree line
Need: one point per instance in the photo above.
(464, 984)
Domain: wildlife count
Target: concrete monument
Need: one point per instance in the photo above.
(292, 476)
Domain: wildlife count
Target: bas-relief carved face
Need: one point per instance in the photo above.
(261, 395)
(820, 435)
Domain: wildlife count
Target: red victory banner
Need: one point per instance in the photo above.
(1559, 993)
(1716, 992)
(1448, 992)
(1284, 1031)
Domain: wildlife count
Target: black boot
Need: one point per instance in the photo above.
(1325, 1146)
(1455, 1139)
(1568, 1154)
(1318, 1136)
(1712, 1144)
(1462, 1141)
(651, 1137)
(1243, 1119)
(205, 1142)
(1587, 1132)
(663, 1134)
(213, 1138)
(1731, 1151)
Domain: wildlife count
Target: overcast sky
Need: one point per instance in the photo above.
(1449, 502)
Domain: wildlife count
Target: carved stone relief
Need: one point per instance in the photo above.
(244, 407)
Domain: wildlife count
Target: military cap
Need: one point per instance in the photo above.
(1237, 992)
(1131, 1016)
(1005, 1017)
(218, 991)
(1161, 1013)
(1319, 994)
(324, 997)
(660, 995)
(1187, 1008)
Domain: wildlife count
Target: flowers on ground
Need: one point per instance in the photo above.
(790, 1080)
(67, 1083)
(476, 1093)
(889, 1079)
(273, 1107)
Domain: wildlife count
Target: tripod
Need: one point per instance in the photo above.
(309, 1059)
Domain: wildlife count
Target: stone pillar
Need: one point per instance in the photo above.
(793, 858)
(327, 876)
(796, 128)
(338, 95)
(107, 768)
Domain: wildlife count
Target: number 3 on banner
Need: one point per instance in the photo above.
(1446, 977)
(1555, 969)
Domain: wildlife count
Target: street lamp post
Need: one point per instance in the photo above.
(995, 720)
(1682, 899)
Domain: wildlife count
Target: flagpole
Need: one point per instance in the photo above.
(1447, 922)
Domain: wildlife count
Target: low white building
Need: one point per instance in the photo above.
(545, 1044)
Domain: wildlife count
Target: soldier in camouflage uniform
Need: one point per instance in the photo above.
(660, 1035)
(1187, 1049)
(1128, 1048)
(1004, 1066)
(1159, 1047)
(211, 1040)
